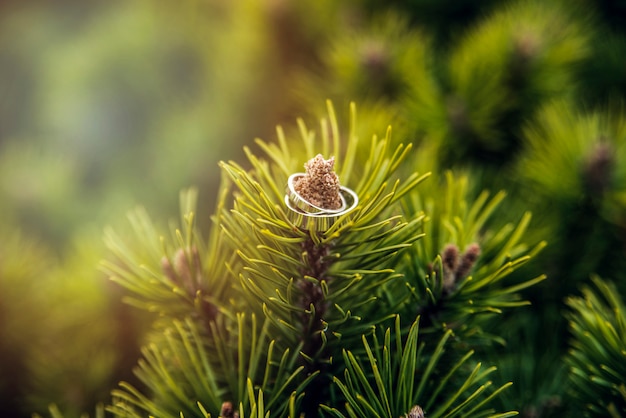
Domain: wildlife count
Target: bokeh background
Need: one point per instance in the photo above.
(109, 104)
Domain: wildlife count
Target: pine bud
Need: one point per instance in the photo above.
(186, 269)
(375, 60)
(416, 412)
(374, 55)
(228, 411)
(458, 116)
(182, 268)
(320, 184)
(526, 47)
(450, 257)
(598, 168)
(450, 261)
(468, 259)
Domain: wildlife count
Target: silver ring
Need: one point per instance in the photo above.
(303, 204)
(307, 215)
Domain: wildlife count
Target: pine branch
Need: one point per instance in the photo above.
(320, 279)
(173, 277)
(183, 366)
(450, 286)
(597, 356)
(505, 68)
(391, 379)
(322, 284)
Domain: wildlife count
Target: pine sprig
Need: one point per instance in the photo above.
(597, 357)
(320, 288)
(571, 154)
(183, 366)
(393, 377)
(173, 277)
(274, 250)
(517, 59)
(460, 271)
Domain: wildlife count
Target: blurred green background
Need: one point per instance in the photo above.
(105, 105)
(109, 104)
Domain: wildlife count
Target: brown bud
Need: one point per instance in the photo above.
(468, 259)
(320, 184)
(228, 411)
(598, 168)
(375, 60)
(526, 47)
(450, 257)
(458, 115)
(450, 261)
(415, 412)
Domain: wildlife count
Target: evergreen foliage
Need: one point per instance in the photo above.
(570, 166)
(389, 385)
(42, 292)
(276, 318)
(598, 350)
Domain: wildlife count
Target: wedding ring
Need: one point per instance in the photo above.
(303, 204)
(309, 216)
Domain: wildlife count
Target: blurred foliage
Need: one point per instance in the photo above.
(21, 266)
(500, 71)
(572, 174)
(123, 93)
(57, 343)
(109, 104)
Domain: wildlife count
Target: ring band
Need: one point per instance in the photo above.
(305, 214)
(303, 204)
